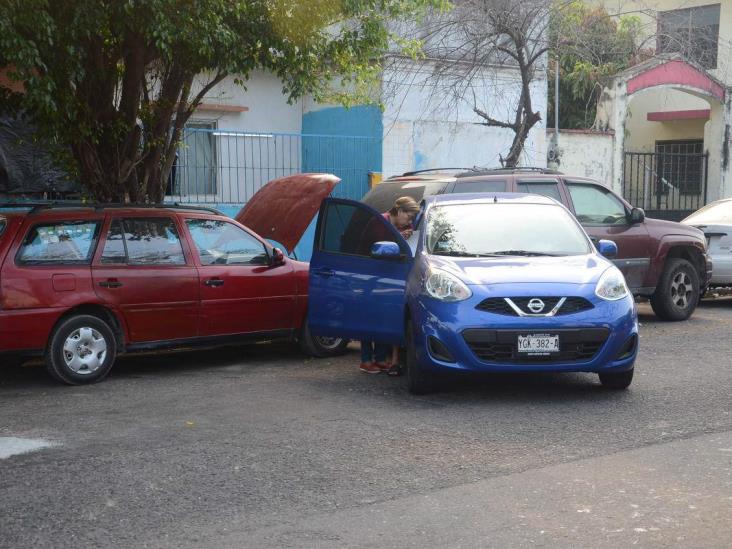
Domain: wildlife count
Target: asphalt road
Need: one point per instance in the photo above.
(257, 447)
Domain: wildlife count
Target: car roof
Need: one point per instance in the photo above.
(489, 198)
(44, 210)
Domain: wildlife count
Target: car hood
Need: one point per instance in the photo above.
(581, 269)
(661, 227)
(283, 208)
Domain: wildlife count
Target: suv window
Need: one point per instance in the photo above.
(2, 226)
(143, 241)
(223, 243)
(544, 188)
(381, 198)
(65, 242)
(479, 187)
(595, 205)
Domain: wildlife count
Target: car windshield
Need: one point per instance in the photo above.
(503, 229)
(715, 213)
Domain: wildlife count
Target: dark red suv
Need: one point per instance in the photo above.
(664, 261)
(81, 284)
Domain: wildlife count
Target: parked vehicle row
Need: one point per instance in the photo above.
(664, 261)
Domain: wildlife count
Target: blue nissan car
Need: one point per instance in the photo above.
(487, 283)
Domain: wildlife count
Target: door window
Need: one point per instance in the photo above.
(223, 243)
(544, 188)
(351, 230)
(68, 242)
(480, 187)
(595, 205)
(143, 241)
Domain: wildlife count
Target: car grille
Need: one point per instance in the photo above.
(577, 345)
(499, 305)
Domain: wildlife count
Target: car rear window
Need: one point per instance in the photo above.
(65, 242)
(480, 187)
(381, 198)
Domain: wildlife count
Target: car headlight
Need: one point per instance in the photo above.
(445, 287)
(611, 285)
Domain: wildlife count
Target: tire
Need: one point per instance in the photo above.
(418, 381)
(617, 381)
(81, 350)
(677, 294)
(321, 347)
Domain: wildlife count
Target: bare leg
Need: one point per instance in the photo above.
(395, 355)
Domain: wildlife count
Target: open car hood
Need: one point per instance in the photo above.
(283, 208)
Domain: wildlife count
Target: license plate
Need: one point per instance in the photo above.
(538, 344)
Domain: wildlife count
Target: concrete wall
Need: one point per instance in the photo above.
(424, 128)
(584, 153)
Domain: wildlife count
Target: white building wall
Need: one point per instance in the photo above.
(585, 154)
(424, 127)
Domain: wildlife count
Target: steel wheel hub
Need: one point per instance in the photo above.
(85, 350)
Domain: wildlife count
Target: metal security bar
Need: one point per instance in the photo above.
(224, 166)
(669, 183)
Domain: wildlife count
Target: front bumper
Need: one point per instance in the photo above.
(602, 339)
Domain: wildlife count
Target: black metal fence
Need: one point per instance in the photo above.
(669, 183)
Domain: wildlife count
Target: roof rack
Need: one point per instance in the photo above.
(517, 169)
(417, 172)
(35, 207)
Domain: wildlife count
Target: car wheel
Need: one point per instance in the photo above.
(677, 293)
(82, 350)
(617, 380)
(321, 347)
(418, 381)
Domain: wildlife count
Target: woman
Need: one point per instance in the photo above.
(401, 216)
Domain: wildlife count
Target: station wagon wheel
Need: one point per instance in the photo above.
(319, 346)
(81, 350)
(677, 293)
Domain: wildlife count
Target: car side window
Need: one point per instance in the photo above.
(65, 242)
(544, 188)
(223, 243)
(351, 230)
(143, 241)
(479, 187)
(595, 205)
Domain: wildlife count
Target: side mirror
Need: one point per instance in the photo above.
(637, 215)
(278, 258)
(607, 248)
(386, 250)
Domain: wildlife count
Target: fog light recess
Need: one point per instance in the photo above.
(628, 349)
(439, 351)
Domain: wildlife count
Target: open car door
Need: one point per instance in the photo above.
(356, 291)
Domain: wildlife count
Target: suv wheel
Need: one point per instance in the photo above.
(677, 293)
(321, 347)
(82, 350)
(418, 381)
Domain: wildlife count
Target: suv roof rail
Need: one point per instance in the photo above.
(417, 172)
(517, 169)
(60, 204)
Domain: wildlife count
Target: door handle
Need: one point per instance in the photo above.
(111, 283)
(324, 272)
(214, 282)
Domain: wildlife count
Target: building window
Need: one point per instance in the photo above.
(692, 32)
(680, 166)
(194, 171)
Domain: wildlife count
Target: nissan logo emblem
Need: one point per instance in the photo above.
(536, 305)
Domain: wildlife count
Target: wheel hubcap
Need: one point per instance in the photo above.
(681, 290)
(84, 351)
(329, 342)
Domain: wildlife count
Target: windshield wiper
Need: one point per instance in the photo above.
(523, 253)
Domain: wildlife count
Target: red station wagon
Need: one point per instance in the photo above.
(80, 284)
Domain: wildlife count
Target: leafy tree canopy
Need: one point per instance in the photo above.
(114, 81)
(591, 47)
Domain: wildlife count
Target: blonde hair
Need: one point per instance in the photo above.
(405, 204)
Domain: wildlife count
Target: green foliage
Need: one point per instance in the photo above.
(115, 80)
(592, 47)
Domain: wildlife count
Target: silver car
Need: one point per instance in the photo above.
(715, 220)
